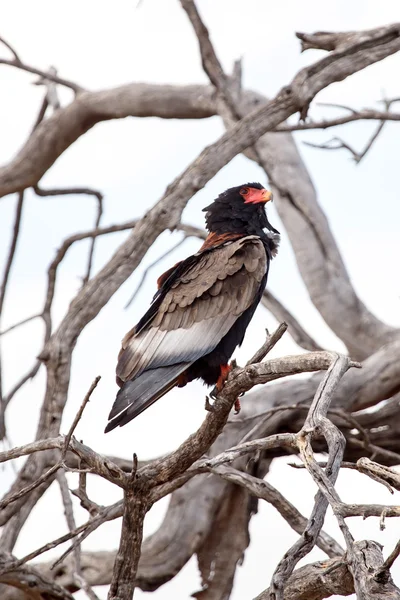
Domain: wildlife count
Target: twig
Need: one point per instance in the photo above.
(19, 324)
(28, 488)
(18, 64)
(69, 514)
(92, 508)
(86, 191)
(3, 288)
(79, 415)
(269, 343)
(13, 246)
(109, 513)
(337, 143)
(265, 491)
(361, 115)
(389, 562)
(93, 241)
(11, 49)
(151, 266)
(33, 371)
(45, 476)
(114, 511)
(68, 191)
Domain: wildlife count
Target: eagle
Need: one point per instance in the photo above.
(202, 308)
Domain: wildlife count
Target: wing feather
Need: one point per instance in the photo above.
(198, 309)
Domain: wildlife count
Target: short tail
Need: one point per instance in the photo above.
(140, 393)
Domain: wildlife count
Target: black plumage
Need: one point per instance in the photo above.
(202, 308)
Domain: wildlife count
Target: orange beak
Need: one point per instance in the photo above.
(255, 196)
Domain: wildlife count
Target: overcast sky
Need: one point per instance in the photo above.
(101, 45)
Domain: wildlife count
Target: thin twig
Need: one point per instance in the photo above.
(93, 241)
(265, 491)
(337, 143)
(11, 49)
(13, 246)
(33, 371)
(18, 64)
(79, 415)
(19, 324)
(3, 288)
(66, 192)
(69, 514)
(151, 266)
(28, 488)
(81, 493)
(362, 115)
(389, 562)
(269, 343)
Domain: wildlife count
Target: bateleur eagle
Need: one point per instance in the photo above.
(202, 308)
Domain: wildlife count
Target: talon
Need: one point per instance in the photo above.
(214, 392)
(208, 406)
(237, 406)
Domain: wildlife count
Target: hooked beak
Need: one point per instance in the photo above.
(258, 196)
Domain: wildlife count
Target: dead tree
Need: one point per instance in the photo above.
(325, 412)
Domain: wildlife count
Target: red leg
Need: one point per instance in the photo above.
(225, 370)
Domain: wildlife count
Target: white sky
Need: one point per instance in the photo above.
(132, 161)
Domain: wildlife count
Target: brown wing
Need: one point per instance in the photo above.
(198, 310)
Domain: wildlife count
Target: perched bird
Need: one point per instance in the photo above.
(202, 308)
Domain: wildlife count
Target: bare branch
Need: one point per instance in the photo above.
(79, 415)
(265, 491)
(3, 288)
(67, 191)
(357, 115)
(269, 343)
(389, 562)
(69, 514)
(9, 499)
(11, 49)
(19, 324)
(337, 143)
(18, 64)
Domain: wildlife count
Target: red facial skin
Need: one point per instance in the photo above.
(255, 196)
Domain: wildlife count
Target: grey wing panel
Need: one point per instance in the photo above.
(137, 395)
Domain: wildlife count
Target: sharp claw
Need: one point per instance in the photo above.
(214, 393)
(208, 406)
